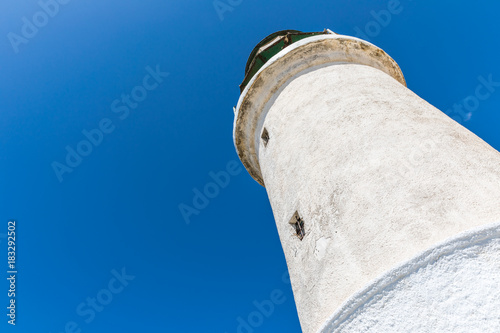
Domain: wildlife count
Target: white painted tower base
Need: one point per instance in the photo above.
(452, 287)
(398, 201)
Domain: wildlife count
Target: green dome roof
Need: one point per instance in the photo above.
(270, 46)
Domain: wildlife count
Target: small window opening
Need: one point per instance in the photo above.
(265, 137)
(298, 223)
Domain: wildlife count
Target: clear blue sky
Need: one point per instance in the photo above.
(118, 208)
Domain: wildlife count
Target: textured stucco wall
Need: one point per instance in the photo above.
(452, 287)
(377, 174)
(343, 153)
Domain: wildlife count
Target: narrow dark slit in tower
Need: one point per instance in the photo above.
(298, 223)
(265, 137)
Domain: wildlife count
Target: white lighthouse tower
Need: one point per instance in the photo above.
(388, 211)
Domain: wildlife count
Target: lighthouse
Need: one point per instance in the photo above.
(388, 211)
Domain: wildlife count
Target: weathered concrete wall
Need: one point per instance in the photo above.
(453, 287)
(377, 174)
